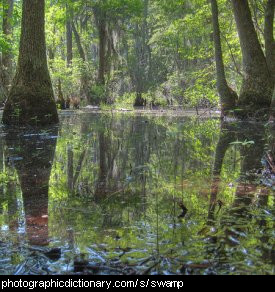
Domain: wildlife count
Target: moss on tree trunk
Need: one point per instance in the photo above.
(256, 90)
(31, 99)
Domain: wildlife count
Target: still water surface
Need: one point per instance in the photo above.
(129, 194)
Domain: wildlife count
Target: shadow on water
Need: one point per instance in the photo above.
(127, 194)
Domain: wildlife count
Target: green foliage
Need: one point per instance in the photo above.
(4, 46)
(161, 49)
(98, 93)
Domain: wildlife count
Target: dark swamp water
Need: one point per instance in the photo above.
(127, 194)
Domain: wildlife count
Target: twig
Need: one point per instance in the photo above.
(146, 272)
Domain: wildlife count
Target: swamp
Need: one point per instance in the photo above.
(137, 137)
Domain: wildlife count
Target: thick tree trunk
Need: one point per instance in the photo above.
(269, 38)
(227, 96)
(31, 99)
(6, 54)
(257, 86)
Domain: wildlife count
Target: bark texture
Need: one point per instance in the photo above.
(256, 91)
(102, 30)
(31, 99)
(227, 96)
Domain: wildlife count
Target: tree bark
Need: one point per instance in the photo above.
(269, 38)
(31, 99)
(6, 54)
(142, 70)
(78, 43)
(257, 86)
(227, 96)
(102, 30)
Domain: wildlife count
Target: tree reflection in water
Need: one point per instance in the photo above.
(32, 154)
(120, 187)
(251, 139)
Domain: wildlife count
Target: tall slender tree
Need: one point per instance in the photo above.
(101, 22)
(31, 99)
(142, 55)
(228, 97)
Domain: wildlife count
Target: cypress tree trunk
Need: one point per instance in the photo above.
(6, 54)
(227, 96)
(31, 99)
(257, 86)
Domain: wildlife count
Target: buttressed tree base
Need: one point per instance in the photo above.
(31, 98)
